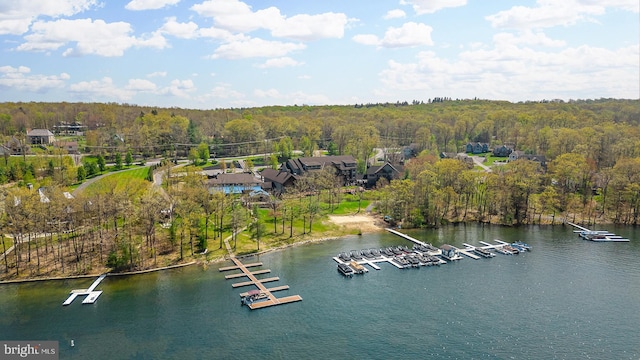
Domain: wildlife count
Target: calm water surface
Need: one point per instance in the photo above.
(567, 299)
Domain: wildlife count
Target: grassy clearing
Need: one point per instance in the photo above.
(121, 177)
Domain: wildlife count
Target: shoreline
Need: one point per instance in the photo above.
(88, 276)
(373, 225)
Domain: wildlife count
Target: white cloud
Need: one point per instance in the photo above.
(221, 34)
(526, 37)
(311, 27)
(549, 13)
(221, 91)
(395, 14)
(280, 63)
(304, 77)
(179, 88)
(19, 79)
(91, 37)
(366, 39)
(236, 16)
(180, 30)
(149, 4)
(100, 90)
(520, 73)
(16, 16)
(157, 74)
(431, 6)
(408, 35)
(141, 85)
(255, 47)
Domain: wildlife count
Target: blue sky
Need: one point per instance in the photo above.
(228, 53)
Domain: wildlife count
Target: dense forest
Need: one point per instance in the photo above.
(592, 151)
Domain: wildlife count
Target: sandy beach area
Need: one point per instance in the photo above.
(366, 223)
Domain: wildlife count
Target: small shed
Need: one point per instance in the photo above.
(448, 251)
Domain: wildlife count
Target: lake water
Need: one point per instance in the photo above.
(567, 299)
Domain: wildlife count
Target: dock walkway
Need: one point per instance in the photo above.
(271, 299)
(597, 235)
(91, 293)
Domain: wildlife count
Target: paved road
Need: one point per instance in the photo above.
(478, 161)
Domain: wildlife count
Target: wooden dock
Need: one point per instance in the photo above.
(271, 299)
(91, 293)
(597, 235)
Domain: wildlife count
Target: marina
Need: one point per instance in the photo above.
(597, 235)
(262, 296)
(422, 254)
(90, 293)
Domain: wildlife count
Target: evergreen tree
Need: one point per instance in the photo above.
(118, 161)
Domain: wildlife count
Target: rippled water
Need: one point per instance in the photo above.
(567, 299)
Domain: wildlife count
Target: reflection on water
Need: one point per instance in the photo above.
(568, 298)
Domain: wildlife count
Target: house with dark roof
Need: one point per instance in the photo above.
(40, 137)
(477, 148)
(344, 166)
(277, 180)
(502, 151)
(375, 173)
(235, 183)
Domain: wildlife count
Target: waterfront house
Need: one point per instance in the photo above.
(375, 173)
(277, 180)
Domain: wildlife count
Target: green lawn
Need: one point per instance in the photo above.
(491, 159)
(122, 176)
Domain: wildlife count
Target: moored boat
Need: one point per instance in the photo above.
(523, 244)
(345, 270)
(484, 252)
(357, 268)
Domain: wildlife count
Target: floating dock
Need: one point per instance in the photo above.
(91, 293)
(271, 300)
(597, 235)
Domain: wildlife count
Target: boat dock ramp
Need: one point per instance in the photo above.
(597, 235)
(91, 293)
(263, 296)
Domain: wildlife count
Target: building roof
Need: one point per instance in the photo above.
(234, 179)
(374, 169)
(342, 161)
(39, 132)
(276, 176)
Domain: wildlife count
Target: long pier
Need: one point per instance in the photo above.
(91, 293)
(271, 299)
(414, 240)
(597, 235)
